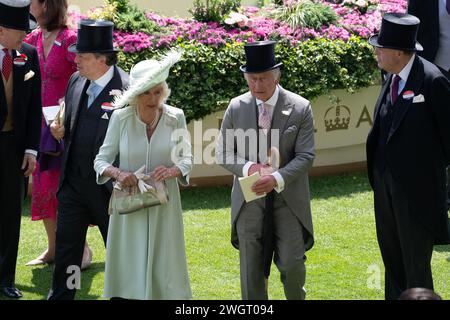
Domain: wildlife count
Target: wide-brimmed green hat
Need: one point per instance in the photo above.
(145, 75)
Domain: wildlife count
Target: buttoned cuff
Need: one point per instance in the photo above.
(280, 181)
(246, 168)
(32, 152)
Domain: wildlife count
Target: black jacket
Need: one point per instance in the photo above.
(27, 106)
(74, 93)
(418, 146)
(428, 36)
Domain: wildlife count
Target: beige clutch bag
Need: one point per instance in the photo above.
(147, 194)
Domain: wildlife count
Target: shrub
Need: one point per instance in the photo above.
(213, 10)
(207, 77)
(306, 14)
(134, 19)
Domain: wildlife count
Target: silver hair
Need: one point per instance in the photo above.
(275, 72)
(165, 94)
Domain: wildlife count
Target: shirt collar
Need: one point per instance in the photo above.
(1, 50)
(273, 100)
(407, 69)
(105, 78)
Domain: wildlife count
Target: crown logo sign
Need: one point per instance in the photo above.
(337, 118)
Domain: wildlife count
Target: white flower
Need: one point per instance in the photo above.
(115, 92)
(237, 18)
(361, 3)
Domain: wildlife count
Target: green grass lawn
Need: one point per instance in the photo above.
(345, 262)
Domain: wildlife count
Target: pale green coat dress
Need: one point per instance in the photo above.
(145, 252)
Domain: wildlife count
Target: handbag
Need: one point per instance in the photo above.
(147, 193)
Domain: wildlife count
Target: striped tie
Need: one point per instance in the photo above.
(264, 121)
(7, 64)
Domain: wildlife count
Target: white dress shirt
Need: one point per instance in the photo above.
(404, 74)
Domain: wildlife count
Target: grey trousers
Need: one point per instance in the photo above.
(289, 250)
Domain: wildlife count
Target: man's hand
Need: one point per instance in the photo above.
(28, 163)
(57, 130)
(265, 184)
(257, 167)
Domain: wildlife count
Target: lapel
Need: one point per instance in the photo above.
(413, 83)
(282, 112)
(385, 90)
(104, 96)
(250, 110)
(77, 94)
(3, 108)
(18, 80)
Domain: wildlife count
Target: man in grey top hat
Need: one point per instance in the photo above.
(278, 225)
(20, 125)
(408, 150)
(87, 112)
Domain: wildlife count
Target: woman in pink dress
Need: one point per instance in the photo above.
(51, 39)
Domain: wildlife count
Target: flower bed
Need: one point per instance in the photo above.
(315, 60)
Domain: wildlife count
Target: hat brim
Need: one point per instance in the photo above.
(152, 78)
(32, 25)
(73, 48)
(373, 40)
(246, 70)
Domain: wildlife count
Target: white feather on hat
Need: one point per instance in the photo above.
(145, 75)
(16, 3)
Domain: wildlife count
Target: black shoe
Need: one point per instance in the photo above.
(11, 292)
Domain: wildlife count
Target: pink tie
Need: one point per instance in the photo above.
(394, 90)
(264, 121)
(7, 64)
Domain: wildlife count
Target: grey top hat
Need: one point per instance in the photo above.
(94, 36)
(398, 31)
(15, 14)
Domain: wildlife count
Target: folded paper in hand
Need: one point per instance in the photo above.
(246, 183)
(148, 193)
(246, 187)
(50, 113)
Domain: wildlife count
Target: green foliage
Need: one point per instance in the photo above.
(306, 14)
(134, 20)
(120, 5)
(213, 10)
(208, 77)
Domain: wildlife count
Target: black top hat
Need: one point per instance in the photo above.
(260, 57)
(94, 36)
(398, 31)
(15, 14)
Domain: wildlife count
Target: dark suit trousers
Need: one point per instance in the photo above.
(80, 202)
(11, 197)
(406, 246)
(448, 188)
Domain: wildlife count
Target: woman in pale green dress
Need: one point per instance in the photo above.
(145, 252)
